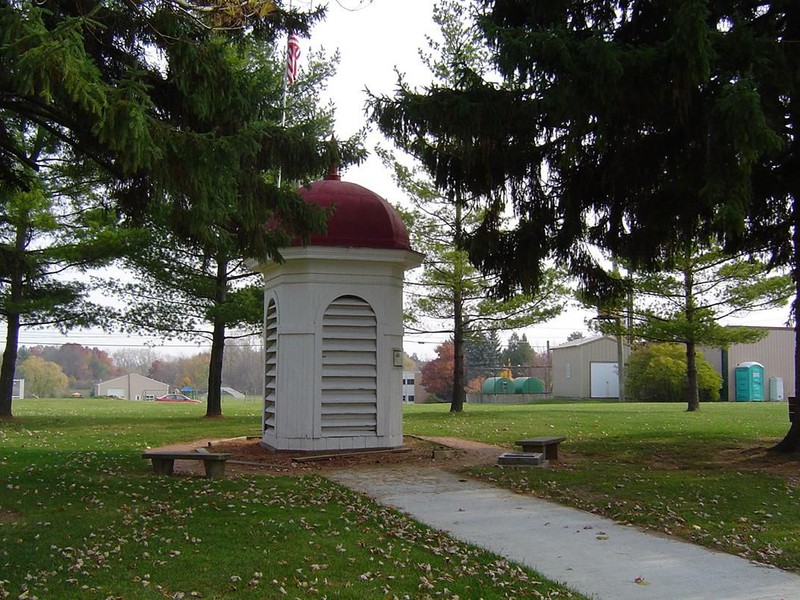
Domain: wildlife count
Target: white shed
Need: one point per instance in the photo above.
(586, 368)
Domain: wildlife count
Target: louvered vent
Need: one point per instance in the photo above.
(349, 368)
(270, 366)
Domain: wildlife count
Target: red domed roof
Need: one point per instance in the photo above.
(361, 218)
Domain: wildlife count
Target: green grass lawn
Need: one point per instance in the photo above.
(704, 476)
(82, 516)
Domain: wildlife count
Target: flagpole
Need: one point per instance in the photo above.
(284, 92)
(291, 58)
(283, 116)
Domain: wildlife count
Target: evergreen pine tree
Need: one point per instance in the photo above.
(191, 280)
(634, 126)
(57, 225)
(451, 295)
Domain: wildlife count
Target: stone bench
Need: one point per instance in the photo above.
(546, 445)
(164, 461)
(521, 459)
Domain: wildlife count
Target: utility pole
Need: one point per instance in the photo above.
(620, 359)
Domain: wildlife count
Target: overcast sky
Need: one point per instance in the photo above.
(373, 37)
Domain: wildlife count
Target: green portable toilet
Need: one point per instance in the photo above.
(528, 385)
(498, 385)
(749, 382)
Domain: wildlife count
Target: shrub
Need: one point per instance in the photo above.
(657, 373)
(434, 399)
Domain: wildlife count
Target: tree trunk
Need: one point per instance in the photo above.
(9, 365)
(791, 442)
(457, 402)
(214, 398)
(459, 395)
(620, 361)
(12, 325)
(692, 393)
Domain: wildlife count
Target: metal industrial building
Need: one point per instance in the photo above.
(587, 367)
(132, 387)
(775, 352)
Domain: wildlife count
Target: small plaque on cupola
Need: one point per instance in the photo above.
(333, 327)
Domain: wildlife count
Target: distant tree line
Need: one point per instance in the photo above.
(56, 371)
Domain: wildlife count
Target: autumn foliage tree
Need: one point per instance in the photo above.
(437, 374)
(43, 378)
(83, 366)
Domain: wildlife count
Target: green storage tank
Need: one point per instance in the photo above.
(528, 385)
(498, 385)
(749, 377)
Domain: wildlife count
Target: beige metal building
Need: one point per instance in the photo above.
(132, 387)
(586, 368)
(775, 352)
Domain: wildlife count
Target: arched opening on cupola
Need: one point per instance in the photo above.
(349, 377)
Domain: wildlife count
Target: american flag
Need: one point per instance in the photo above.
(292, 57)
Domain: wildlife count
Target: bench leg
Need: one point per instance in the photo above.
(163, 466)
(551, 452)
(215, 468)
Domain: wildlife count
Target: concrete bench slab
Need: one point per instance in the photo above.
(547, 445)
(520, 459)
(164, 461)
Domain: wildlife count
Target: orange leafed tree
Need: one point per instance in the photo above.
(437, 374)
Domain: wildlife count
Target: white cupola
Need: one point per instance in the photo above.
(333, 327)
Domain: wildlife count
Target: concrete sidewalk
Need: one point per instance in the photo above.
(590, 554)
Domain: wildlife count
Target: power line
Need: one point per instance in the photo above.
(362, 4)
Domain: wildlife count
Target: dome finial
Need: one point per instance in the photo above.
(333, 168)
